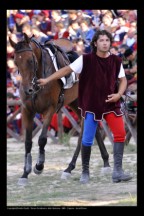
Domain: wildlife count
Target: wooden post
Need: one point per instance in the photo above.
(60, 125)
(38, 122)
(12, 117)
(131, 127)
(71, 119)
(13, 134)
(107, 131)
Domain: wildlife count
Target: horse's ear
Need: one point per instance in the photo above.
(12, 43)
(27, 39)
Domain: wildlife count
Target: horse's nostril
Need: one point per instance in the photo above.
(30, 91)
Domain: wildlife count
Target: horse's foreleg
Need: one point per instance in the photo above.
(28, 123)
(67, 172)
(38, 168)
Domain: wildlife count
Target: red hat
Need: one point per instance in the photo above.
(18, 15)
(44, 13)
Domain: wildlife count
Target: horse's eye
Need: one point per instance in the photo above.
(31, 61)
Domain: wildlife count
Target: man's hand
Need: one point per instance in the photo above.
(42, 82)
(113, 97)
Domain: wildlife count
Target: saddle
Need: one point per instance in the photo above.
(62, 49)
(64, 44)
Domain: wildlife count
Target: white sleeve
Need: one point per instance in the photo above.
(77, 65)
(122, 72)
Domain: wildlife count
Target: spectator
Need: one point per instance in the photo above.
(61, 31)
(132, 15)
(96, 18)
(12, 69)
(72, 16)
(10, 21)
(20, 20)
(10, 51)
(121, 31)
(67, 126)
(27, 29)
(55, 18)
(131, 72)
(129, 38)
(122, 48)
(106, 23)
(114, 50)
(74, 30)
(44, 22)
(79, 46)
(86, 33)
(40, 36)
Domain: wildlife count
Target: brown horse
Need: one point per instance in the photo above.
(34, 61)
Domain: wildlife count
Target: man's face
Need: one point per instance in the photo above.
(130, 57)
(103, 43)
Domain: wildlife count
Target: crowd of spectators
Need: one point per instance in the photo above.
(79, 26)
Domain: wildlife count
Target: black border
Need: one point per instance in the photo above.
(57, 4)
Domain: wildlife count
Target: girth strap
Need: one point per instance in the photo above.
(60, 100)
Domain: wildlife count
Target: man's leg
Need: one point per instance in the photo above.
(89, 130)
(116, 125)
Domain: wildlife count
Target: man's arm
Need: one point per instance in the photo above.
(122, 85)
(57, 75)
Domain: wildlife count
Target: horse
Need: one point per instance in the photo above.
(34, 62)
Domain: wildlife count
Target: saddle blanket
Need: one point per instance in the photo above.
(67, 82)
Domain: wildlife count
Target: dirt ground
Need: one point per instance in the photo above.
(50, 191)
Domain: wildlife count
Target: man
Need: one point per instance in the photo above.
(131, 72)
(99, 95)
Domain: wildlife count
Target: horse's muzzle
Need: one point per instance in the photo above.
(29, 91)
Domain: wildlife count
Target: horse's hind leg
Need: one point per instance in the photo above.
(103, 151)
(39, 166)
(28, 122)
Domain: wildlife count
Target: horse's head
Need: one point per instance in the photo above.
(26, 61)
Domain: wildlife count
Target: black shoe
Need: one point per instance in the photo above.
(85, 154)
(119, 176)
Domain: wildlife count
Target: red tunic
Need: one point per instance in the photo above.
(97, 80)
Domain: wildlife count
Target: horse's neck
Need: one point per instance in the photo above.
(38, 51)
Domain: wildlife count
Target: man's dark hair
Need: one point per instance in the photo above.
(124, 46)
(96, 37)
(128, 52)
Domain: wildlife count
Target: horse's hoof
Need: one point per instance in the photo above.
(36, 171)
(22, 181)
(106, 170)
(65, 175)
